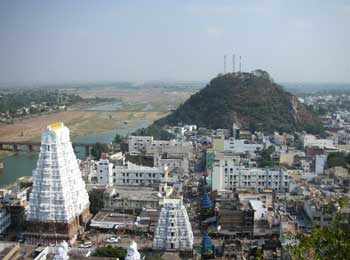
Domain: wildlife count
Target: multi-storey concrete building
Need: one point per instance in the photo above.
(137, 144)
(234, 217)
(5, 219)
(172, 161)
(319, 212)
(169, 147)
(109, 174)
(229, 173)
(132, 174)
(104, 170)
(311, 140)
(146, 144)
(131, 199)
(241, 146)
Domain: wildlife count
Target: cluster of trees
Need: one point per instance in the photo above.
(328, 242)
(338, 159)
(110, 251)
(156, 131)
(98, 149)
(96, 200)
(265, 159)
(10, 102)
(119, 138)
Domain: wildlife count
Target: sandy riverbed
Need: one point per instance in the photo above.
(79, 122)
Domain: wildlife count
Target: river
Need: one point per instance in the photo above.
(22, 163)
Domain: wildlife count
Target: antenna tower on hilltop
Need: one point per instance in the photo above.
(240, 64)
(233, 63)
(224, 64)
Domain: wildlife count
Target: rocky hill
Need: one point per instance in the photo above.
(252, 100)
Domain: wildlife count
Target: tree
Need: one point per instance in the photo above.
(338, 159)
(96, 200)
(118, 138)
(266, 156)
(110, 251)
(98, 149)
(328, 242)
(156, 131)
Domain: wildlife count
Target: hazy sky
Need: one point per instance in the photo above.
(76, 40)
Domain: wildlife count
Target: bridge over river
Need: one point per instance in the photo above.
(35, 146)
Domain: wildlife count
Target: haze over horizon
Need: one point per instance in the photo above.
(87, 41)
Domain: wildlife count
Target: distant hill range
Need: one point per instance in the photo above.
(252, 100)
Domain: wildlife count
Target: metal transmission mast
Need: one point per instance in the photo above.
(240, 64)
(233, 63)
(224, 64)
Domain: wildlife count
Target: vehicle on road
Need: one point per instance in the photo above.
(113, 239)
(87, 244)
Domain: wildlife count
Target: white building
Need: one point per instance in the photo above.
(320, 163)
(175, 161)
(104, 172)
(190, 128)
(170, 147)
(174, 231)
(132, 174)
(5, 220)
(260, 210)
(59, 202)
(311, 140)
(230, 174)
(241, 146)
(181, 130)
(146, 144)
(279, 139)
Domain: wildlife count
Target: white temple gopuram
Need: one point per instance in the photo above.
(132, 253)
(173, 232)
(59, 202)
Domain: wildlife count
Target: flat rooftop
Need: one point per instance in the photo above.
(110, 220)
(135, 193)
